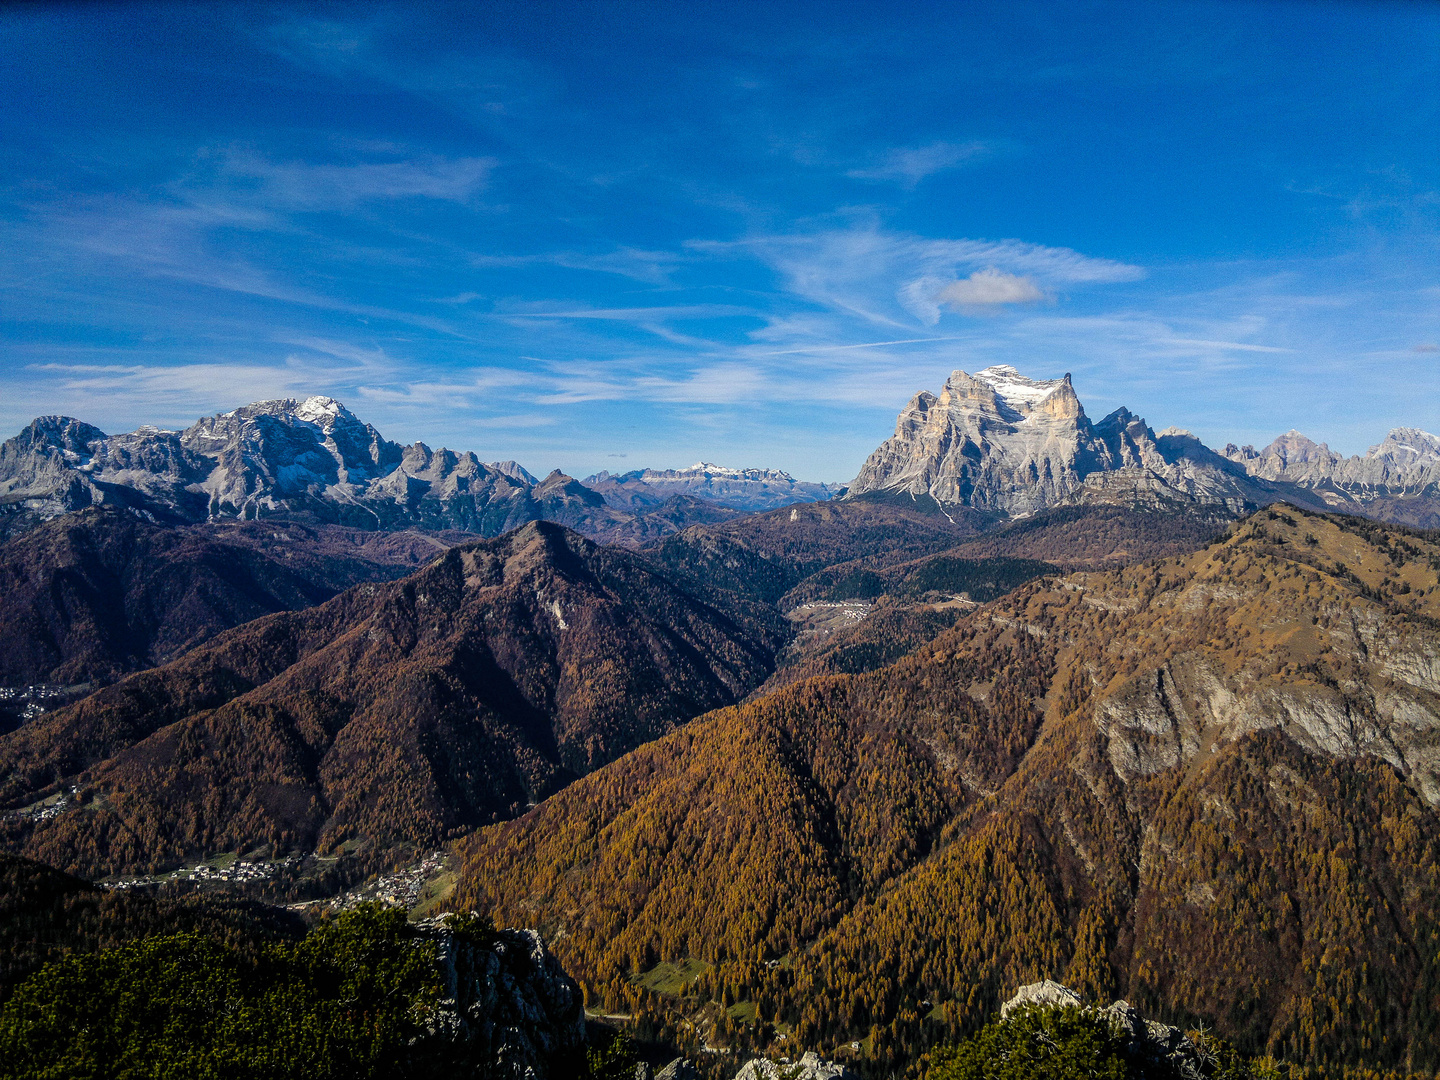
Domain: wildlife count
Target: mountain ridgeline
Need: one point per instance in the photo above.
(315, 461)
(96, 594)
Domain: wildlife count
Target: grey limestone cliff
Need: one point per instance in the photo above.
(1000, 441)
(508, 1004)
(313, 459)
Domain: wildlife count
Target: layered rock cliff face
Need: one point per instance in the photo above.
(1399, 479)
(313, 458)
(1000, 441)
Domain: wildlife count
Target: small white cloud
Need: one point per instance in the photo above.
(990, 288)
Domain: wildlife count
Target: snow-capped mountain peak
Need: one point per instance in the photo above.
(740, 489)
(1018, 391)
(319, 410)
(707, 468)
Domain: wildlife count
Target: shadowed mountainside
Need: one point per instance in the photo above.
(1207, 784)
(94, 595)
(46, 915)
(408, 711)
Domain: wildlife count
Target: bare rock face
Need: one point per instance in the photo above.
(1045, 994)
(679, 1069)
(1149, 1040)
(312, 459)
(995, 441)
(1000, 441)
(809, 1067)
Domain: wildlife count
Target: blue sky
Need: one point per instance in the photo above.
(613, 235)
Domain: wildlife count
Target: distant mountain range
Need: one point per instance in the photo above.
(1001, 441)
(742, 489)
(316, 461)
(1397, 480)
(997, 441)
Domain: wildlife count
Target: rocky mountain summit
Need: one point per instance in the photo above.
(312, 458)
(743, 489)
(316, 461)
(1000, 441)
(1398, 479)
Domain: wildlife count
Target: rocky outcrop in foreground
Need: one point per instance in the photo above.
(809, 1067)
(509, 1002)
(1167, 1048)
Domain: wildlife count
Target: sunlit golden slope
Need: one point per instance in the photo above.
(1208, 784)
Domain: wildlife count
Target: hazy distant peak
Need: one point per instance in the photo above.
(1408, 442)
(707, 468)
(514, 470)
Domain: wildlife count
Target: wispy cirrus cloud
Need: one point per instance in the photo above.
(304, 185)
(908, 165)
(896, 279)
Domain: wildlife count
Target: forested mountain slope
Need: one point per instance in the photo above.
(916, 600)
(1207, 784)
(96, 594)
(46, 915)
(404, 711)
